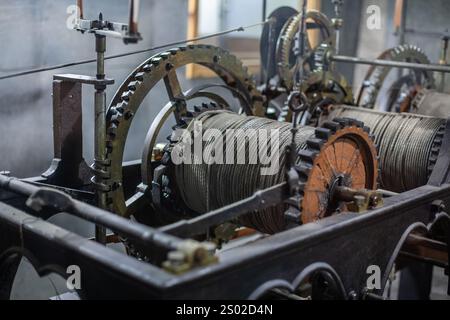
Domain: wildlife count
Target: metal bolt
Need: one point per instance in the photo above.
(128, 115)
(352, 295)
(176, 256)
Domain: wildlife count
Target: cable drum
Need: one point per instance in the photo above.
(408, 144)
(207, 186)
(239, 148)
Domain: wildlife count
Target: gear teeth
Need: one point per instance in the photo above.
(172, 138)
(435, 149)
(294, 202)
(184, 122)
(121, 107)
(332, 126)
(133, 85)
(323, 133)
(156, 61)
(181, 124)
(344, 122)
(307, 155)
(303, 171)
(354, 122)
(126, 95)
(315, 143)
(115, 119)
(112, 131)
(113, 111)
(165, 55)
(147, 68)
(189, 114)
(140, 76)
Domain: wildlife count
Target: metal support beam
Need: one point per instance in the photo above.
(41, 198)
(387, 63)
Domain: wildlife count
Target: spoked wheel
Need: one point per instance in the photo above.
(131, 94)
(285, 56)
(400, 92)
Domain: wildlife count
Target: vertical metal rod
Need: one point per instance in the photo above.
(100, 133)
(337, 22)
(448, 268)
(264, 14)
(301, 45)
(80, 9)
(271, 48)
(133, 16)
(402, 29)
(443, 60)
(264, 10)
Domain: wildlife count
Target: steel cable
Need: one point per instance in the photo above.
(405, 142)
(205, 187)
(120, 55)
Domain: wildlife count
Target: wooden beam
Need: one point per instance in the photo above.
(398, 14)
(313, 35)
(192, 31)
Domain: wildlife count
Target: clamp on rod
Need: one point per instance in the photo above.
(133, 17)
(80, 9)
(127, 32)
(337, 22)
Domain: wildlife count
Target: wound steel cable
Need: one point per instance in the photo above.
(205, 187)
(408, 145)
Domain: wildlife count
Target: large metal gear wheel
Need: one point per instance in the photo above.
(402, 91)
(141, 81)
(270, 33)
(285, 56)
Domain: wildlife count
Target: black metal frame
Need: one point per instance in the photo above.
(340, 247)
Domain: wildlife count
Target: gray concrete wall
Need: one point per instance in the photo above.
(33, 34)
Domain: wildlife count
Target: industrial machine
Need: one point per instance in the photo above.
(351, 189)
